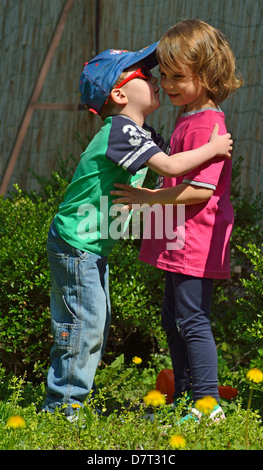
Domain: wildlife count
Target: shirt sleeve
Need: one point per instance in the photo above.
(163, 144)
(208, 174)
(129, 145)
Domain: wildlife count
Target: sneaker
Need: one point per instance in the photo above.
(216, 415)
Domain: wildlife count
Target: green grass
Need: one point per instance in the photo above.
(122, 426)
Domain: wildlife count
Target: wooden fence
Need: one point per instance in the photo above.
(26, 29)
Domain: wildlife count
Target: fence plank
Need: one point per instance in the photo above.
(26, 28)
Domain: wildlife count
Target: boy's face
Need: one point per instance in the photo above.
(183, 89)
(142, 94)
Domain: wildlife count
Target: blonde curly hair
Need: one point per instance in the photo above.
(195, 46)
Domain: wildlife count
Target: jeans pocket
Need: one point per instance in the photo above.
(67, 337)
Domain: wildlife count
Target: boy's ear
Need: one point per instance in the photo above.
(119, 96)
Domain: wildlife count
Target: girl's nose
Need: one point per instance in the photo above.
(168, 84)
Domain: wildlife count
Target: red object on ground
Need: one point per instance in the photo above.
(227, 392)
(165, 385)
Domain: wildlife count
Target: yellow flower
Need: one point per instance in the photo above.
(154, 398)
(177, 442)
(206, 404)
(255, 375)
(16, 422)
(75, 405)
(136, 360)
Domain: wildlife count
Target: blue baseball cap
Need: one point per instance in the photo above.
(102, 72)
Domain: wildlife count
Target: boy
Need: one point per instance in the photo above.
(82, 233)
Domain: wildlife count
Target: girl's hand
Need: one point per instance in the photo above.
(129, 195)
(222, 143)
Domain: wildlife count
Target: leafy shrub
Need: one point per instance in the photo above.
(24, 280)
(251, 303)
(229, 320)
(136, 288)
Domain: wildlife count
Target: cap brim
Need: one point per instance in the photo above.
(147, 55)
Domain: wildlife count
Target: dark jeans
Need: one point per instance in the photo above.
(186, 319)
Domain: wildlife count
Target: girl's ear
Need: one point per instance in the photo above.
(119, 96)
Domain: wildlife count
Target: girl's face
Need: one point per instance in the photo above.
(183, 90)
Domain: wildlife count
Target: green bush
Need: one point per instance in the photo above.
(251, 303)
(24, 280)
(229, 320)
(136, 288)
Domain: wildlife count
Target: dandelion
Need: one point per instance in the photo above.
(206, 404)
(136, 360)
(15, 422)
(154, 398)
(177, 442)
(255, 375)
(75, 406)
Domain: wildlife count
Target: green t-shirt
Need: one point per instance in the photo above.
(86, 219)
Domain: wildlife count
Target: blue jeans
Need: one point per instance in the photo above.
(80, 321)
(186, 319)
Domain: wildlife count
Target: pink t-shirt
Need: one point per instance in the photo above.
(194, 239)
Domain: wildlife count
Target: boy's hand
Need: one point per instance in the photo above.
(222, 143)
(129, 195)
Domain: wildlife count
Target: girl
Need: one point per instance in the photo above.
(198, 72)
